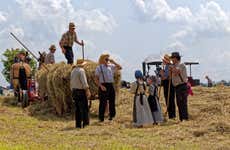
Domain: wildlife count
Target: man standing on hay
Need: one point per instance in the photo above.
(105, 79)
(80, 94)
(67, 41)
(50, 59)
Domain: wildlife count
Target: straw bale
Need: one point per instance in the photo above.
(56, 83)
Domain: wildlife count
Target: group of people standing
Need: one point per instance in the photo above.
(104, 77)
(173, 76)
(146, 109)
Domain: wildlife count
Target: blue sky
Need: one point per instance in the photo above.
(130, 30)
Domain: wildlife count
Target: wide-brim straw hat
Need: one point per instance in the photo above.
(166, 58)
(102, 58)
(80, 63)
(52, 47)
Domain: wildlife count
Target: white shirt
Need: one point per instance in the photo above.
(78, 79)
(106, 71)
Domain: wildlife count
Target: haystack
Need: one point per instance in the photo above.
(57, 85)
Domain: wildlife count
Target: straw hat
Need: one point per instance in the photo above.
(71, 25)
(22, 52)
(102, 58)
(79, 63)
(52, 47)
(166, 59)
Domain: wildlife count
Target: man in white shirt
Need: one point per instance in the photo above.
(80, 94)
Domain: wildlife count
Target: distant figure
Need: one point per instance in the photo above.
(19, 74)
(49, 58)
(141, 111)
(67, 41)
(209, 81)
(80, 93)
(153, 100)
(104, 77)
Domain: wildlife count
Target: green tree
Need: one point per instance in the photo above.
(8, 60)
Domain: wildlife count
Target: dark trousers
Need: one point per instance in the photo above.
(104, 96)
(171, 106)
(69, 54)
(81, 108)
(182, 101)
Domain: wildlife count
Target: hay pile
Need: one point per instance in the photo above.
(55, 83)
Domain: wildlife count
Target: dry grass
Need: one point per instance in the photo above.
(37, 127)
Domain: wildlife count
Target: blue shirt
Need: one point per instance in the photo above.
(107, 72)
(166, 71)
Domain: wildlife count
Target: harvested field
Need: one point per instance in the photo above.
(39, 127)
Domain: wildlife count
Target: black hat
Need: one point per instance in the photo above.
(175, 55)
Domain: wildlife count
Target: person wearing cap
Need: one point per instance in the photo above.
(50, 59)
(169, 91)
(67, 41)
(141, 110)
(104, 77)
(80, 94)
(179, 80)
(19, 74)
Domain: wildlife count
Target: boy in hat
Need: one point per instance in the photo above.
(50, 59)
(66, 43)
(179, 80)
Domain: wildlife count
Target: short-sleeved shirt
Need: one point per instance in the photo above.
(68, 39)
(78, 79)
(49, 59)
(107, 71)
(176, 79)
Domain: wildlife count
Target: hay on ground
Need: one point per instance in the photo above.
(56, 84)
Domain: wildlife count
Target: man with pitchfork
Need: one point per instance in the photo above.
(67, 41)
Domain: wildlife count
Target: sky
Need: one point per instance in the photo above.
(130, 30)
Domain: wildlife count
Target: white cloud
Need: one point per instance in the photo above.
(57, 13)
(3, 17)
(209, 21)
(206, 29)
(160, 10)
(39, 23)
